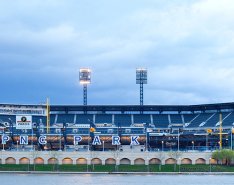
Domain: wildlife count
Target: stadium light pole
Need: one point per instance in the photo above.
(178, 137)
(141, 78)
(3, 143)
(220, 131)
(60, 140)
(193, 145)
(47, 115)
(103, 146)
(89, 141)
(162, 145)
(32, 139)
(146, 140)
(85, 79)
(12, 131)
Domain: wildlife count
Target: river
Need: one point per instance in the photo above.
(101, 179)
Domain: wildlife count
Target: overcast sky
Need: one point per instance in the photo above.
(186, 45)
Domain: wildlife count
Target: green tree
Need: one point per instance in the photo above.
(223, 155)
(228, 156)
(217, 156)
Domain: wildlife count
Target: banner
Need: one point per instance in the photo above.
(23, 122)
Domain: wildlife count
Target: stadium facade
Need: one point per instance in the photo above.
(147, 127)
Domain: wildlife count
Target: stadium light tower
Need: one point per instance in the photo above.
(85, 79)
(141, 78)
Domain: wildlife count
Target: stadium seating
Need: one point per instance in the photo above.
(103, 118)
(161, 120)
(228, 120)
(215, 119)
(84, 119)
(189, 117)
(53, 119)
(7, 118)
(65, 118)
(123, 119)
(142, 118)
(131, 121)
(200, 119)
(176, 118)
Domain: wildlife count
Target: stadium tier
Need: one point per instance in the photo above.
(158, 127)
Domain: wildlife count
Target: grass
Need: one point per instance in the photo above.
(114, 168)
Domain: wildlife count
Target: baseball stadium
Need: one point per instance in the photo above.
(114, 134)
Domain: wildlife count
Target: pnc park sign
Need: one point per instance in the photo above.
(25, 122)
(23, 140)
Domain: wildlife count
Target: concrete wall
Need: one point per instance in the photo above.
(99, 157)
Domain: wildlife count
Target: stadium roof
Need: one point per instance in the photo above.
(157, 108)
(132, 108)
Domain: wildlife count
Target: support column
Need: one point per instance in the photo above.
(117, 162)
(31, 161)
(3, 161)
(60, 161)
(193, 161)
(89, 161)
(17, 160)
(147, 162)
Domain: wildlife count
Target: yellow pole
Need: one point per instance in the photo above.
(48, 115)
(220, 131)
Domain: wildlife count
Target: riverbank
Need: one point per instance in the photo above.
(115, 173)
(117, 169)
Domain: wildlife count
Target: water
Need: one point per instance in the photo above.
(25, 179)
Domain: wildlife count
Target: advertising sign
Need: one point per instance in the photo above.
(23, 122)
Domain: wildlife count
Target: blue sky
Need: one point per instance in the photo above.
(187, 47)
